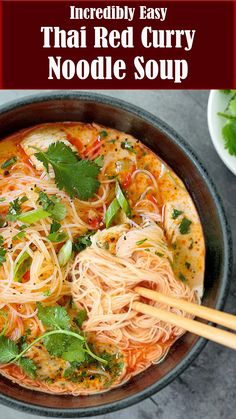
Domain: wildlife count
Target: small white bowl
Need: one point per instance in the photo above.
(217, 102)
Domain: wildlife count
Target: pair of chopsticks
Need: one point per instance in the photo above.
(201, 329)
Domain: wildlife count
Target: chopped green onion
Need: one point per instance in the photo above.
(176, 213)
(9, 162)
(21, 267)
(57, 236)
(159, 254)
(103, 134)
(33, 216)
(122, 200)
(46, 293)
(126, 145)
(65, 253)
(2, 255)
(111, 212)
(55, 226)
(19, 235)
(139, 242)
(24, 199)
(184, 227)
(58, 212)
(182, 277)
(99, 161)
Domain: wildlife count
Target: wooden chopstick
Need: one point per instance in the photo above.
(209, 332)
(206, 313)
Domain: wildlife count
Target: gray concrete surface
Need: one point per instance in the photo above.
(207, 390)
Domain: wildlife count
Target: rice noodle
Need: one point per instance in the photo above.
(101, 279)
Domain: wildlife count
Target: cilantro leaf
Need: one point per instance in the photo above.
(57, 153)
(77, 177)
(55, 344)
(83, 241)
(229, 135)
(28, 366)
(53, 317)
(232, 106)
(52, 205)
(74, 351)
(14, 210)
(80, 317)
(8, 350)
(2, 255)
(55, 226)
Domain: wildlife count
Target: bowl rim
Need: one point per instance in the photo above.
(227, 266)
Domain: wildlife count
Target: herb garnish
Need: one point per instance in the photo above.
(80, 317)
(59, 340)
(9, 353)
(22, 266)
(55, 226)
(184, 226)
(9, 162)
(182, 277)
(139, 242)
(103, 134)
(99, 160)
(2, 251)
(77, 177)
(47, 293)
(52, 205)
(229, 129)
(159, 254)
(15, 208)
(127, 145)
(57, 237)
(176, 213)
(65, 253)
(122, 200)
(83, 241)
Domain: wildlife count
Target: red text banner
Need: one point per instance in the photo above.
(117, 45)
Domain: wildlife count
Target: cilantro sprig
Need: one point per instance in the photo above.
(52, 205)
(60, 340)
(9, 353)
(15, 208)
(83, 241)
(77, 177)
(229, 128)
(2, 251)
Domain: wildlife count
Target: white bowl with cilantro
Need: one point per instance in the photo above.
(222, 125)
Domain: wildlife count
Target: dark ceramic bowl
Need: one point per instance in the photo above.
(171, 148)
